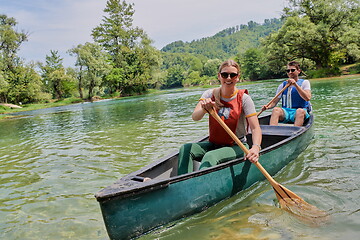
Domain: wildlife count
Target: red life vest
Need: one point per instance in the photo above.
(230, 114)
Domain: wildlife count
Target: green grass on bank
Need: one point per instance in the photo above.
(350, 69)
(4, 110)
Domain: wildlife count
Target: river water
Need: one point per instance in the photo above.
(54, 160)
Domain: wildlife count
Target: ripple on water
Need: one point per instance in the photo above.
(53, 161)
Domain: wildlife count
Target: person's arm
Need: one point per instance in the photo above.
(275, 102)
(272, 105)
(305, 94)
(204, 103)
(203, 106)
(252, 119)
(198, 112)
(253, 155)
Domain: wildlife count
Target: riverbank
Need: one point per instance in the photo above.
(348, 76)
(6, 109)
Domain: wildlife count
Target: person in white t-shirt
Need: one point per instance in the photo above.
(237, 110)
(295, 99)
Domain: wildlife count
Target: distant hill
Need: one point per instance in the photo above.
(228, 42)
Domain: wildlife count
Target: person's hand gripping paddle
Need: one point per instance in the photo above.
(287, 199)
(274, 98)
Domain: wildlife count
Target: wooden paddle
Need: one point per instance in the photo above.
(276, 96)
(287, 199)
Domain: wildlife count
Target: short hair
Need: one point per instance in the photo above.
(230, 63)
(294, 64)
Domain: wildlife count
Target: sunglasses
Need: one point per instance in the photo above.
(292, 70)
(226, 75)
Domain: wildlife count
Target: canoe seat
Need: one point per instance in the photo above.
(285, 131)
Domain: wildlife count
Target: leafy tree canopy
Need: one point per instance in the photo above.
(319, 30)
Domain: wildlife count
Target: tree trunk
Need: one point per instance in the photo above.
(80, 84)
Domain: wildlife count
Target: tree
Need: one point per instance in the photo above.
(228, 42)
(315, 30)
(147, 63)
(192, 79)
(10, 41)
(55, 78)
(175, 77)
(251, 66)
(25, 86)
(128, 46)
(211, 67)
(76, 73)
(201, 55)
(4, 87)
(63, 83)
(116, 33)
(351, 39)
(115, 80)
(93, 65)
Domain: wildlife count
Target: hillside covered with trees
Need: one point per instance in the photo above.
(196, 62)
(121, 61)
(228, 42)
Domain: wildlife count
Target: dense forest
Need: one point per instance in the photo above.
(197, 62)
(321, 34)
(228, 42)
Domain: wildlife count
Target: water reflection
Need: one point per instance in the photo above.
(54, 160)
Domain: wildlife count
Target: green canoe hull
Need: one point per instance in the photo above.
(131, 207)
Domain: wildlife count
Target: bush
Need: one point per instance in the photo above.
(354, 69)
(324, 72)
(3, 109)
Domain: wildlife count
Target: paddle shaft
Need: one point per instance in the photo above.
(274, 98)
(242, 146)
(287, 199)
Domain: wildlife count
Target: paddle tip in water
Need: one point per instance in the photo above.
(304, 211)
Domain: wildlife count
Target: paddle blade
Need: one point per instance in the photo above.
(282, 192)
(304, 211)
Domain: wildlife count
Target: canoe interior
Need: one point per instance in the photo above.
(132, 206)
(271, 136)
(166, 169)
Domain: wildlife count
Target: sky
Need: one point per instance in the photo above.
(63, 24)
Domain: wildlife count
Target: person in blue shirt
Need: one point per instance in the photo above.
(295, 99)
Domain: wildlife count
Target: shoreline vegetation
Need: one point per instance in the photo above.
(121, 60)
(6, 109)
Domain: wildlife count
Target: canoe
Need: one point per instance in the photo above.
(132, 206)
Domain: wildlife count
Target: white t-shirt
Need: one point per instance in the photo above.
(248, 110)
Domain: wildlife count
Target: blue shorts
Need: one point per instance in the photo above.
(289, 115)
